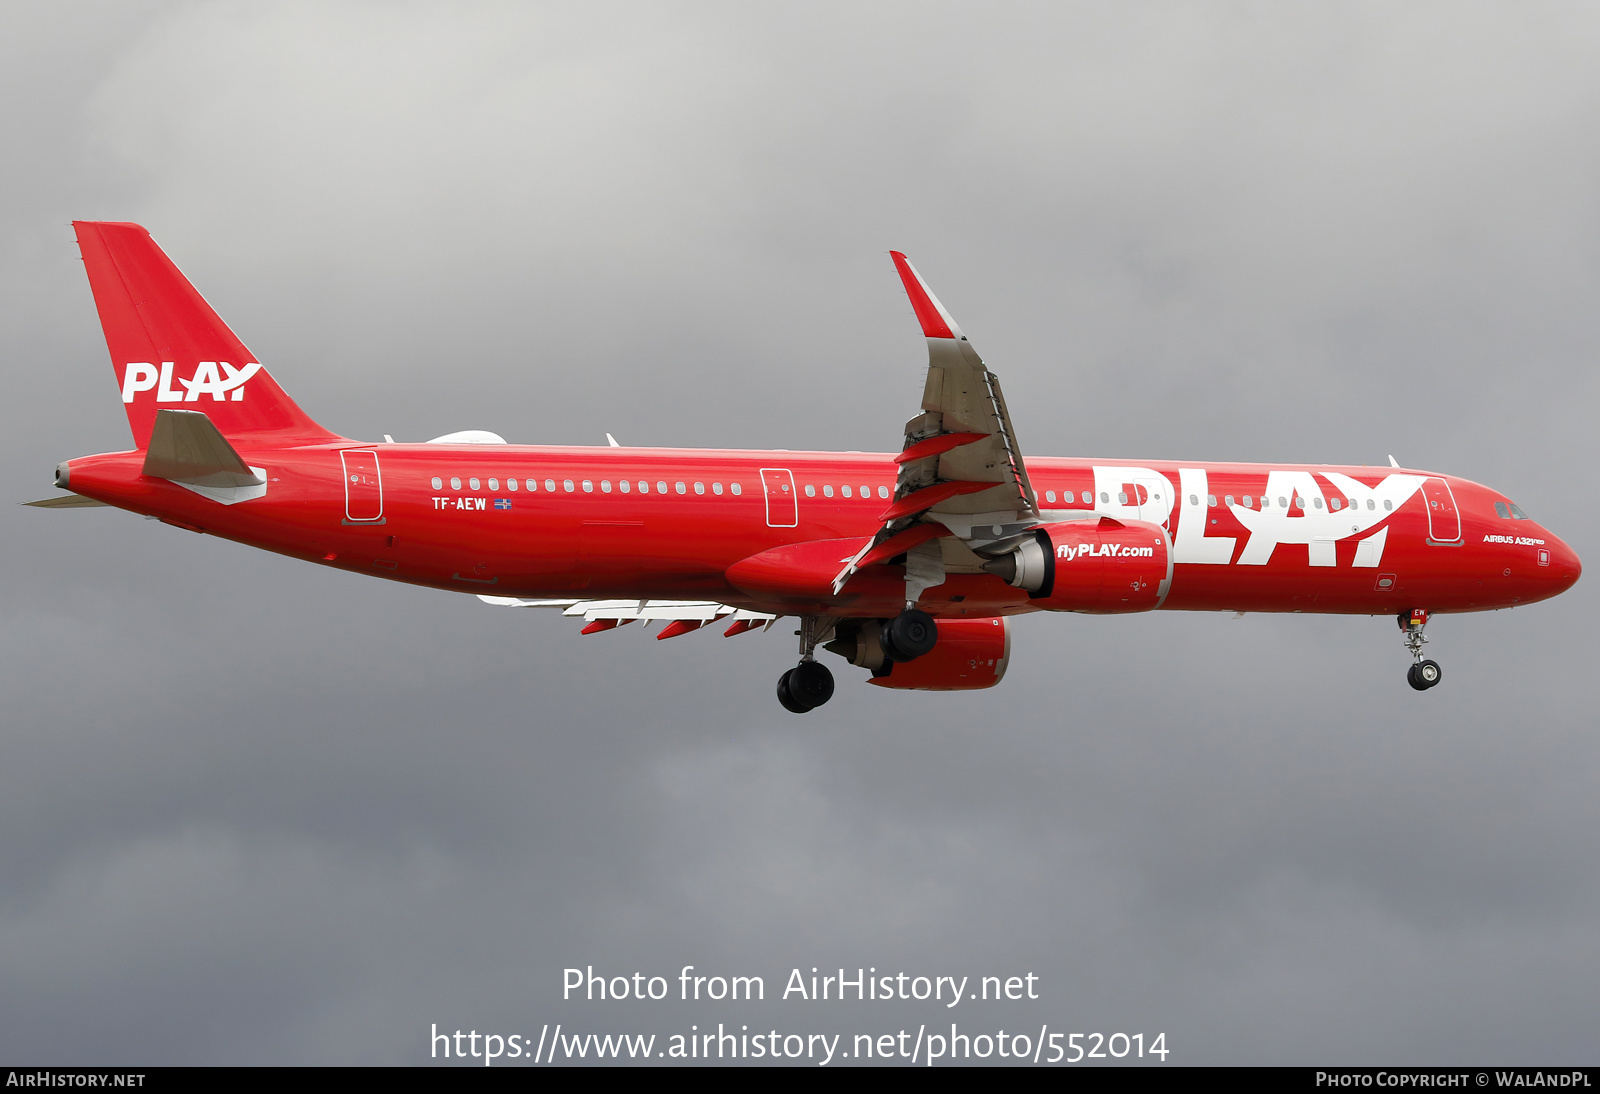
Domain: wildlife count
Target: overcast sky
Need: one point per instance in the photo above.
(256, 811)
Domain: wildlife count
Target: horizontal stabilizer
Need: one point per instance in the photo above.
(65, 501)
(186, 448)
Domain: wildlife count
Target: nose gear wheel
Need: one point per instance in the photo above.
(1423, 674)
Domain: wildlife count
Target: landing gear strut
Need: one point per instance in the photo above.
(809, 684)
(869, 643)
(1423, 674)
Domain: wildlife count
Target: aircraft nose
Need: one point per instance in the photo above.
(1565, 567)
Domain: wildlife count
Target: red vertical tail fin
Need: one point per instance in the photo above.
(170, 350)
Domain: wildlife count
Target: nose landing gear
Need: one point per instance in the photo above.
(1423, 674)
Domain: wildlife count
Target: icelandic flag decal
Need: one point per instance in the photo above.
(502, 503)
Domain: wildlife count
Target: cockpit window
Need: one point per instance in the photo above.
(1502, 511)
(1518, 513)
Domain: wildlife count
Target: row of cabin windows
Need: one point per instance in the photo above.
(570, 486)
(1334, 504)
(625, 486)
(845, 491)
(1505, 509)
(1211, 499)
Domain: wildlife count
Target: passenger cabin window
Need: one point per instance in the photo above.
(699, 488)
(1317, 502)
(1122, 497)
(736, 488)
(1105, 498)
(682, 489)
(1387, 504)
(866, 492)
(661, 486)
(494, 484)
(1194, 499)
(1088, 498)
(473, 483)
(1299, 502)
(455, 484)
(811, 491)
(566, 484)
(1227, 499)
(1211, 500)
(605, 486)
(827, 491)
(845, 490)
(511, 484)
(1049, 495)
(883, 492)
(1371, 504)
(588, 486)
(624, 485)
(716, 488)
(550, 485)
(438, 484)
(533, 484)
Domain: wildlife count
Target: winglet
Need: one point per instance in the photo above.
(936, 322)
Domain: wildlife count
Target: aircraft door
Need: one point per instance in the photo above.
(363, 486)
(1152, 493)
(1444, 522)
(778, 484)
(1134, 493)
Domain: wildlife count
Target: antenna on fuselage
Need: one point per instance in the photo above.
(1391, 462)
(612, 441)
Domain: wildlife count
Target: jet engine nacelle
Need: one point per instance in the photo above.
(1104, 565)
(970, 654)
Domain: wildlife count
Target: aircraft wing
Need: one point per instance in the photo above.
(962, 485)
(683, 616)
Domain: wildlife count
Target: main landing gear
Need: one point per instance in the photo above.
(805, 687)
(809, 684)
(1423, 674)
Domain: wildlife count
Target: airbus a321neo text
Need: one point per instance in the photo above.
(908, 566)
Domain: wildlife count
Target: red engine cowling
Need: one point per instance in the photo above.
(1103, 565)
(970, 654)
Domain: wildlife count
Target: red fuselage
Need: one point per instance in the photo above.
(1363, 540)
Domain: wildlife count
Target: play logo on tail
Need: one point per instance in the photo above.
(168, 346)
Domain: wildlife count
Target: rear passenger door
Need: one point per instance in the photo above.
(778, 485)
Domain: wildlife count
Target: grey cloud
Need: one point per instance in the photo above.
(258, 812)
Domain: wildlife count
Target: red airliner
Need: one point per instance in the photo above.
(908, 566)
